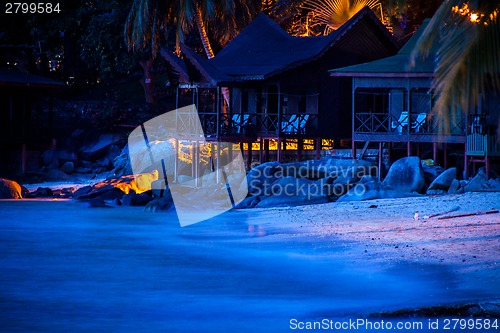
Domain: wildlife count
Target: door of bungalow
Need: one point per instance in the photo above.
(267, 109)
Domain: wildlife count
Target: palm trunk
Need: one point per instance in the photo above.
(203, 33)
(147, 81)
(209, 52)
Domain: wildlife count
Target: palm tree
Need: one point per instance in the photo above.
(334, 13)
(147, 22)
(467, 35)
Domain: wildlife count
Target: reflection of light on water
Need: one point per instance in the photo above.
(36, 199)
(256, 230)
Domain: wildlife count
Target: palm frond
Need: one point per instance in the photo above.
(467, 36)
(334, 13)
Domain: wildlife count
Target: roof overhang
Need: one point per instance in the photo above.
(14, 78)
(383, 75)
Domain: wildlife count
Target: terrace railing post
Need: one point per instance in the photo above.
(278, 152)
(176, 160)
(466, 163)
(445, 157)
(249, 155)
(318, 148)
(380, 146)
(217, 110)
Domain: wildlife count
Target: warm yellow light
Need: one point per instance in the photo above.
(474, 17)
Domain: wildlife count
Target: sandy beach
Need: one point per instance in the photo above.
(385, 230)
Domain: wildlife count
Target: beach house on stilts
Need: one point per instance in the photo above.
(392, 104)
(271, 92)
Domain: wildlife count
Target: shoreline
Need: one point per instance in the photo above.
(343, 232)
(389, 232)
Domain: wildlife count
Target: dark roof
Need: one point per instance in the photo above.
(397, 65)
(263, 49)
(11, 77)
(178, 65)
(206, 68)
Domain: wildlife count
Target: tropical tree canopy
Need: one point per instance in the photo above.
(466, 35)
(334, 13)
(146, 25)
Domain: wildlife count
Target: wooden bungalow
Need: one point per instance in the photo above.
(392, 102)
(268, 86)
(26, 117)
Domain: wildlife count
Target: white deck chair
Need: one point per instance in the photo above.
(237, 123)
(302, 124)
(419, 122)
(402, 121)
(291, 126)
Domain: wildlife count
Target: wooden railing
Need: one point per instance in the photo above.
(258, 124)
(482, 145)
(418, 123)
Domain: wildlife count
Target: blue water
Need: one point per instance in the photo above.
(68, 268)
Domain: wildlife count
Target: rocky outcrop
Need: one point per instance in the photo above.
(478, 183)
(442, 183)
(10, 189)
(68, 167)
(405, 175)
(133, 199)
(290, 191)
(99, 146)
(260, 178)
(455, 187)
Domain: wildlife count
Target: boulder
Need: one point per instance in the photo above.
(94, 192)
(141, 158)
(478, 183)
(494, 184)
(10, 189)
(160, 205)
(261, 177)
(68, 167)
(455, 187)
(290, 191)
(289, 185)
(405, 175)
(351, 175)
(248, 202)
(362, 192)
(68, 191)
(99, 147)
(435, 192)
(53, 157)
(55, 175)
(81, 191)
(308, 169)
(113, 152)
(431, 171)
(83, 170)
(443, 181)
(184, 179)
(133, 199)
(335, 191)
(41, 192)
(368, 178)
(86, 164)
(338, 166)
(111, 195)
(105, 162)
(138, 183)
(327, 167)
(53, 165)
(98, 203)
